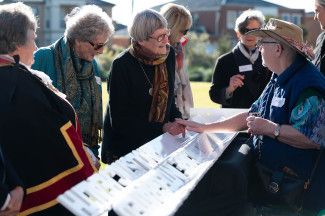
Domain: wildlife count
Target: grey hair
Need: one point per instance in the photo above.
(87, 22)
(15, 21)
(246, 16)
(145, 23)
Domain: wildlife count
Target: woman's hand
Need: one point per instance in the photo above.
(93, 158)
(16, 195)
(191, 125)
(174, 128)
(260, 126)
(235, 82)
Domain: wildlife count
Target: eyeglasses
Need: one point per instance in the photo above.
(244, 30)
(185, 32)
(161, 37)
(99, 45)
(259, 43)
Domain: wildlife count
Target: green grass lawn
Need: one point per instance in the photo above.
(200, 94)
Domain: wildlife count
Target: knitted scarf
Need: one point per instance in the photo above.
(252, 55)
(160, 82)
(76, 79)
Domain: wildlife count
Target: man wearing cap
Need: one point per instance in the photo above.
(319, 60)
(290, 128)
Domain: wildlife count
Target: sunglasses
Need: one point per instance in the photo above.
(185, 32)
(244, 30)
(161, 37)
(99, 45)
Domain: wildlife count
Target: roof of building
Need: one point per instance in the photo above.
(195, 4)
(10, 1)
(212, 4)
(99, 2)
(259, 3)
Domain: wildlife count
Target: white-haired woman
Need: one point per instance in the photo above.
(179, 22)
(239, 76)
(39, 131)
(141, 88)
(70, 64)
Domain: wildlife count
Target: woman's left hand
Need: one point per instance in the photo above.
(260, 126)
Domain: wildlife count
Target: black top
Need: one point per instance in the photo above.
(126, 125)
(255, 80)
(319, 60)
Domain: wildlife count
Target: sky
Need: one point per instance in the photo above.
(122, 12)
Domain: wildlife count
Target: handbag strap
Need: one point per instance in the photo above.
(307, 183)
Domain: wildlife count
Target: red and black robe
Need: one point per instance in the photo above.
(40, 135)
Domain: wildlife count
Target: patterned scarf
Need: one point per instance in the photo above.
(179, 56)
(182, 87)
(160, 82)
(76, 79)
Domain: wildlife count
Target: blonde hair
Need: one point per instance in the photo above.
(178, 18)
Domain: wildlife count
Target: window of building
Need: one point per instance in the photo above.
(48, 24)
(231, 18)
(48, 18)
(64, 10)
(294, 18)
(35, 10)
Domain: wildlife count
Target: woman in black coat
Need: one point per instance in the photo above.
(141, 89)
(239, 76)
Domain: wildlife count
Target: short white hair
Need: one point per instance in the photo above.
(246, 16)
(87, 22)
(145, 23)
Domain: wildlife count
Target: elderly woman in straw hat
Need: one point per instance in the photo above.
(141, 88)
(39, 131)
(288, 129)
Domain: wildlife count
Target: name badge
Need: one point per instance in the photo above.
(245, 68)
(98, 80)
(278, 102)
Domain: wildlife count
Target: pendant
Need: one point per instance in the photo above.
(150, 91)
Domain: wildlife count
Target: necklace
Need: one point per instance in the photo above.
(144, 72)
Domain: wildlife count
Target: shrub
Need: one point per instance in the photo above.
(105, 60)
(200, 55)
(200, 73)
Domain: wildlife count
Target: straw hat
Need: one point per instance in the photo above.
(287, 33)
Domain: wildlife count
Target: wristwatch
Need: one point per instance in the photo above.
(276, 131)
